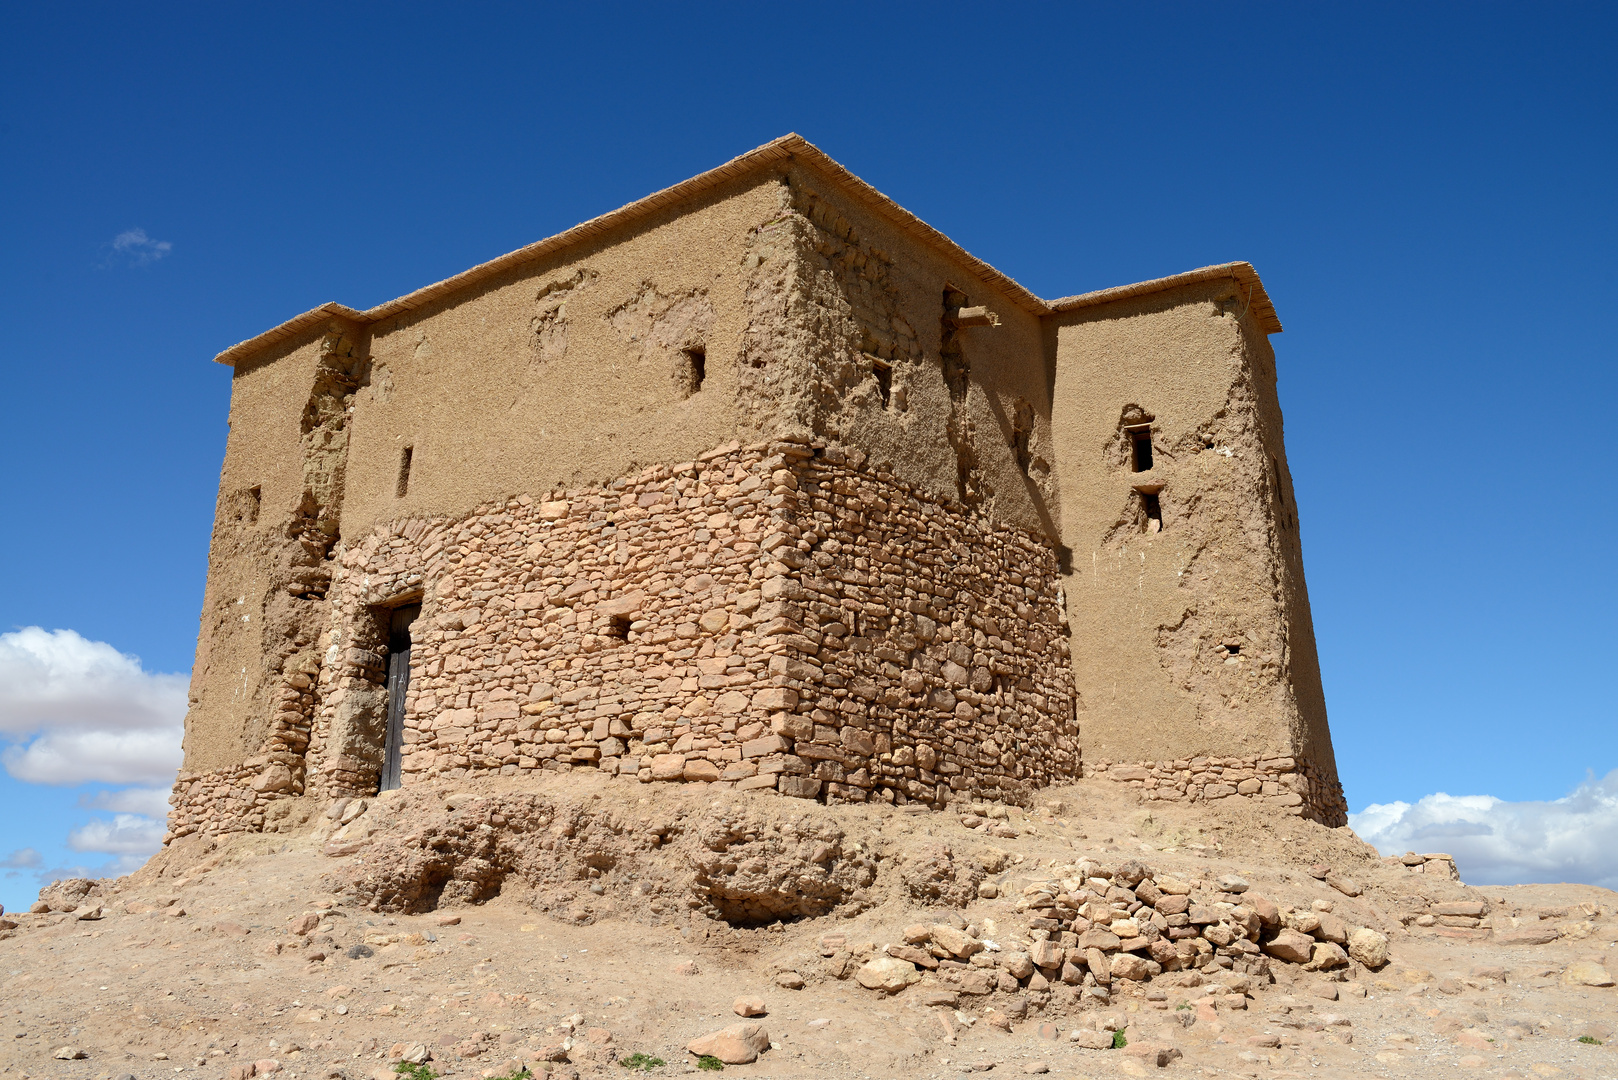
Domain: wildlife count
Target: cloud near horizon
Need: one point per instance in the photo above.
(1494, 842)
(78, 710)
(22, 859)
(138, 249)
(125, 834)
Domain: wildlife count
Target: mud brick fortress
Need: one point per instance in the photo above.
(762, 482)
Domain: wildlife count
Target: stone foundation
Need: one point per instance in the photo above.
(1284, 783)
(782, 616)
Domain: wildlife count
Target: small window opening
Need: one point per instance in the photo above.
(255, 499)
(883, 373)
(618, 626)
(402, 488)
(1233, 649)
(1140, 446)
(692, 371)
(1154, 513)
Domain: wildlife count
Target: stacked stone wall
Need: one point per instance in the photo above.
(236, 800)
(783, 616)
(1285, 783)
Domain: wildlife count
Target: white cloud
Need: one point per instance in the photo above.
(113, 757)
(90, 711)
(152, 802)
(21, 859)
(1504, 843)
(125, 834)
(138, 248)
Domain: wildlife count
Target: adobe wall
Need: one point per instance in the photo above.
(573, 371)
(818, 321)
(787, 616)
(1194, 655)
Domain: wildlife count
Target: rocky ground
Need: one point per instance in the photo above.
(490, 929)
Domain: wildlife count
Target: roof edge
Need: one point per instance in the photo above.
(289, 329)
(787, 148)
(1242, 272)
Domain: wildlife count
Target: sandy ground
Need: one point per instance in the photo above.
(193, 967)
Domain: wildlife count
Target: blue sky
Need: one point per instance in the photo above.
(1426, 190)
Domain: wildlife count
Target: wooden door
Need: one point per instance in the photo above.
(398, 684)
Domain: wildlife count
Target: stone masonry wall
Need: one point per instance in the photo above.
(1282, 782)
(783, 616)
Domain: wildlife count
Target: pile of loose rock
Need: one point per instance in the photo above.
(1099, 926)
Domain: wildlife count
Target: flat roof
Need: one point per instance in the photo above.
(791, 148)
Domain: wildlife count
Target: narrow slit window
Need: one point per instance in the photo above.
(1140, 447)
(883, 373)
(1154, 513)
(255, 499)
(402, 488)
(693, 370)
(619, 625)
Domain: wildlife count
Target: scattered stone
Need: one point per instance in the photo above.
(1368, 947)
(69, 1053)
(789, 980)
(1153, 1053)
(685, 967)
(448, 920)
(1091, 1040)
(887, 974)
(957, 942)
(1232, 883)
(1018, 964)
(1586, 973)
(414, 1054)
(1327, 955)
(937, 995)
(738, 1044)
(749, 1006)
(1035, 1067)
(1291, 946)
(1345, 885)
(359, 952)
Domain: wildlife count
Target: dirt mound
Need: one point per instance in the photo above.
(747, 861)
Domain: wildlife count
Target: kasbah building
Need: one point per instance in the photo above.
(758, 482)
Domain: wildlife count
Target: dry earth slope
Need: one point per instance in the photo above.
(565, 928)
